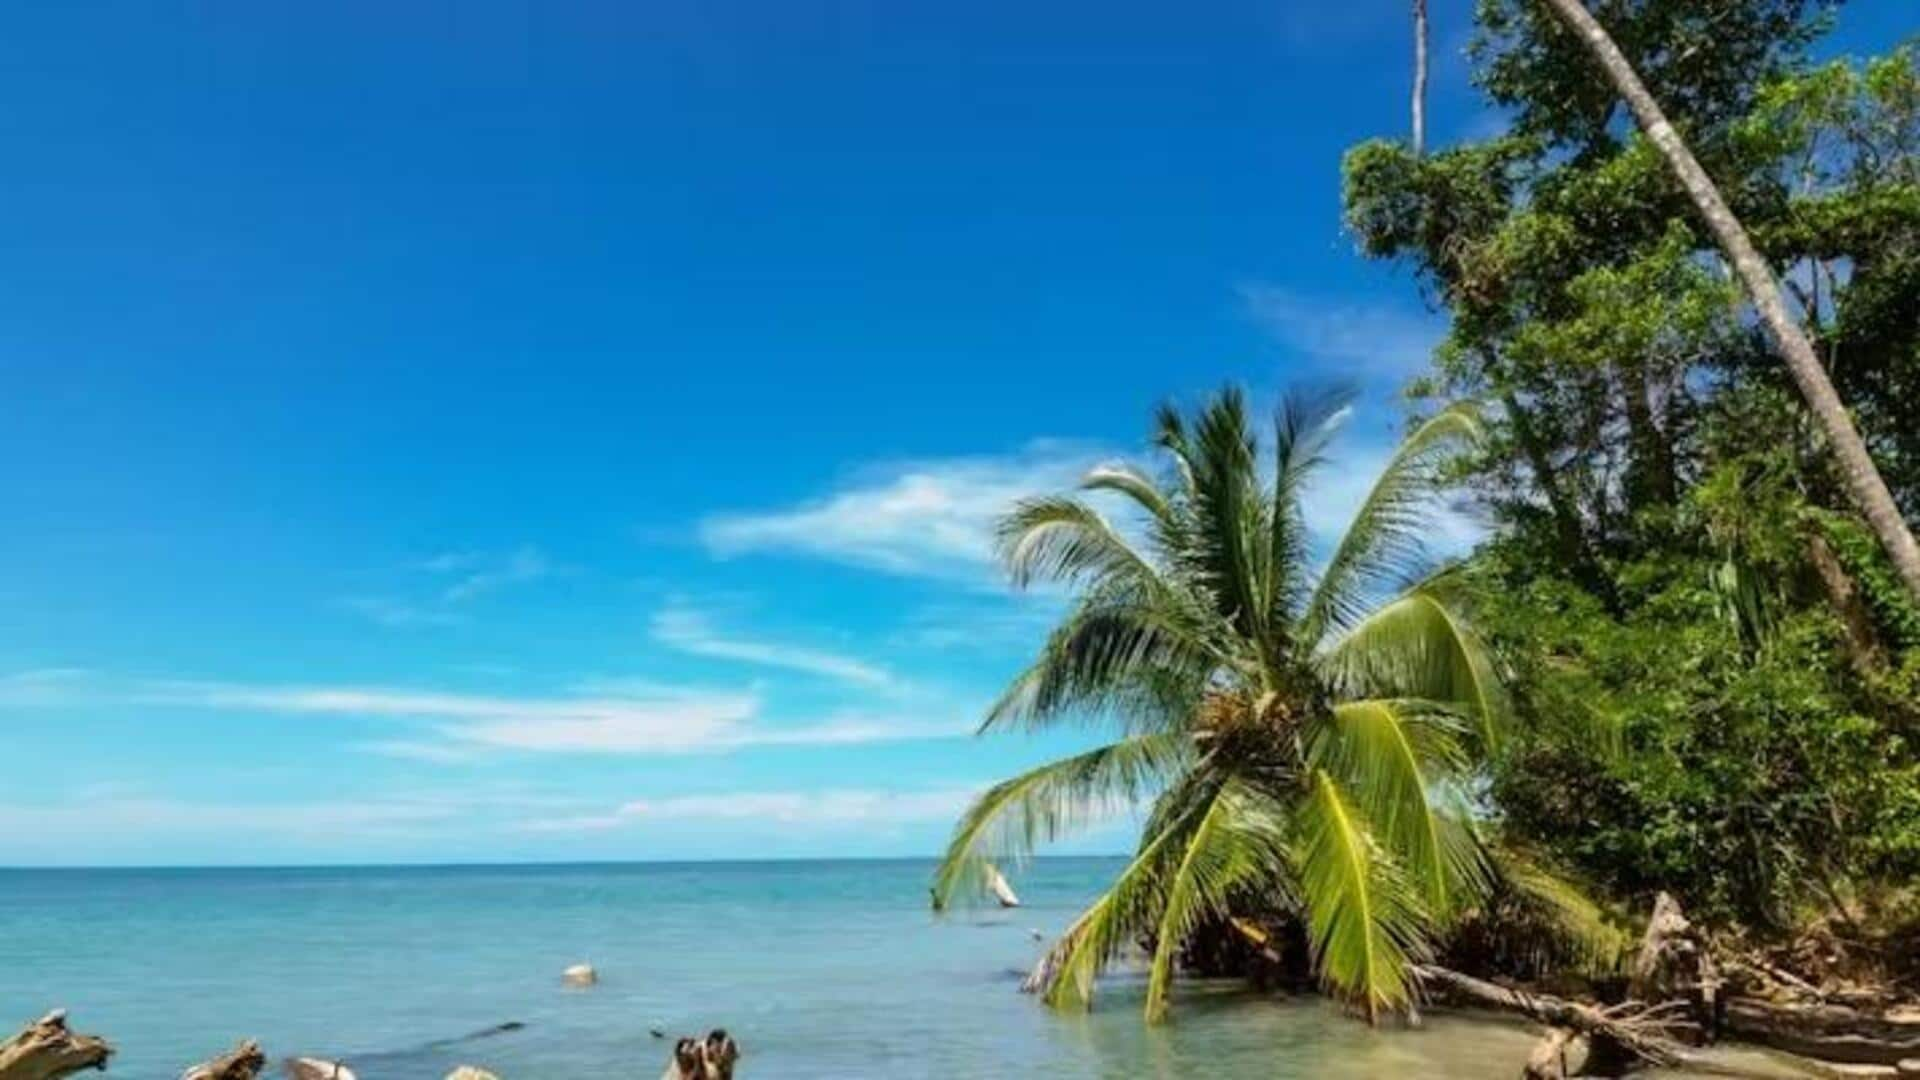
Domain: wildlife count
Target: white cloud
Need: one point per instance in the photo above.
(620, 718)
(833, 807)
(1344, 339)
(152, 815)
(922, 518)
(526, 565)
(692, 632)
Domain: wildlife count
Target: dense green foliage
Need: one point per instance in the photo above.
(1673, 558)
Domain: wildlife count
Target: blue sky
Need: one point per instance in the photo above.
(498, 431)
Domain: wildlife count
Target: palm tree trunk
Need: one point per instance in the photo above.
(1419, 77)
(1863, 480)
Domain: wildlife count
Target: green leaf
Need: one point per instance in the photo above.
(1363, 919)
(1015, 816)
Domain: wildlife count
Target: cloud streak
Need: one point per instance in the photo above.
(928, 518)
(829, 808)
(691, 632)
(449, 727)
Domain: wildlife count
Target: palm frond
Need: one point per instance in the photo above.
(1302, 427)
(1581, 930)
(1058, 538)
(1383, 543)
(1232, 526)
(1067, 973)
(1015, 816)
(1125, 480)
(1396, 757)
(1143, 657)
(1238, 845)
(1363, 919)
(1418, 646)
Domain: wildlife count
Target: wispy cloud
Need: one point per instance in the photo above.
(930, 518)
(1344, 339)
(480, 574)
(387, 611)
(833, 807)
(448, 726)
(692, 632)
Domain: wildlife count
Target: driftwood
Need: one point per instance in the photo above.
(47, 1049)
(1548, 1061)
(1675, 963)
(1618, 1035)
(1829, 1032)
(710, 1058)
(243, 1062)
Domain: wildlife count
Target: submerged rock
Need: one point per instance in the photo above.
(305, 1068)
(580, 975)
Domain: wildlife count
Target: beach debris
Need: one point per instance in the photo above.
(306, 1068)
(580, 975)
(1003, 892)
(244, 1062)
(710, 1058)
(48, 1049)
(470, 1072)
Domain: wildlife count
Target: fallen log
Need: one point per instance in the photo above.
(243, 1062)
(1827, 1031)
(48, 1049)
(1619, 1035)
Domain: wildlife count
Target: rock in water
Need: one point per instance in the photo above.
(317, 1069)
(244, 1062)
(580, 975)
(468, 1072)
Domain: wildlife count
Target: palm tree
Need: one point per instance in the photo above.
(1297, 740)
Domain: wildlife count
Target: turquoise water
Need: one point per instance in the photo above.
(821, 969)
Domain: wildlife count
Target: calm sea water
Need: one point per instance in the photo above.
(821, 969)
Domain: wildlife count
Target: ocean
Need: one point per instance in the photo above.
(820, 969)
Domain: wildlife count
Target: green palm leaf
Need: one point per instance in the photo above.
(1363, 919)
(1383, 543)
(1015, 816)
(1057, 538)
(1417, 646)
(1397, 758)
(1066, 974)
(1236, 847)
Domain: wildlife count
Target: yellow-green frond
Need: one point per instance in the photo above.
(1396, 759)
(1418, 646)
(1363, 919)
(1015, 816)
(1238, 846)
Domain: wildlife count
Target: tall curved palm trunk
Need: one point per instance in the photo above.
(1296, 726)
(1864, 483)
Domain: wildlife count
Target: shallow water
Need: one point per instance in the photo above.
(821, 969)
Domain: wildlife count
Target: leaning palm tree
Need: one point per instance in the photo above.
(1293, 721)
